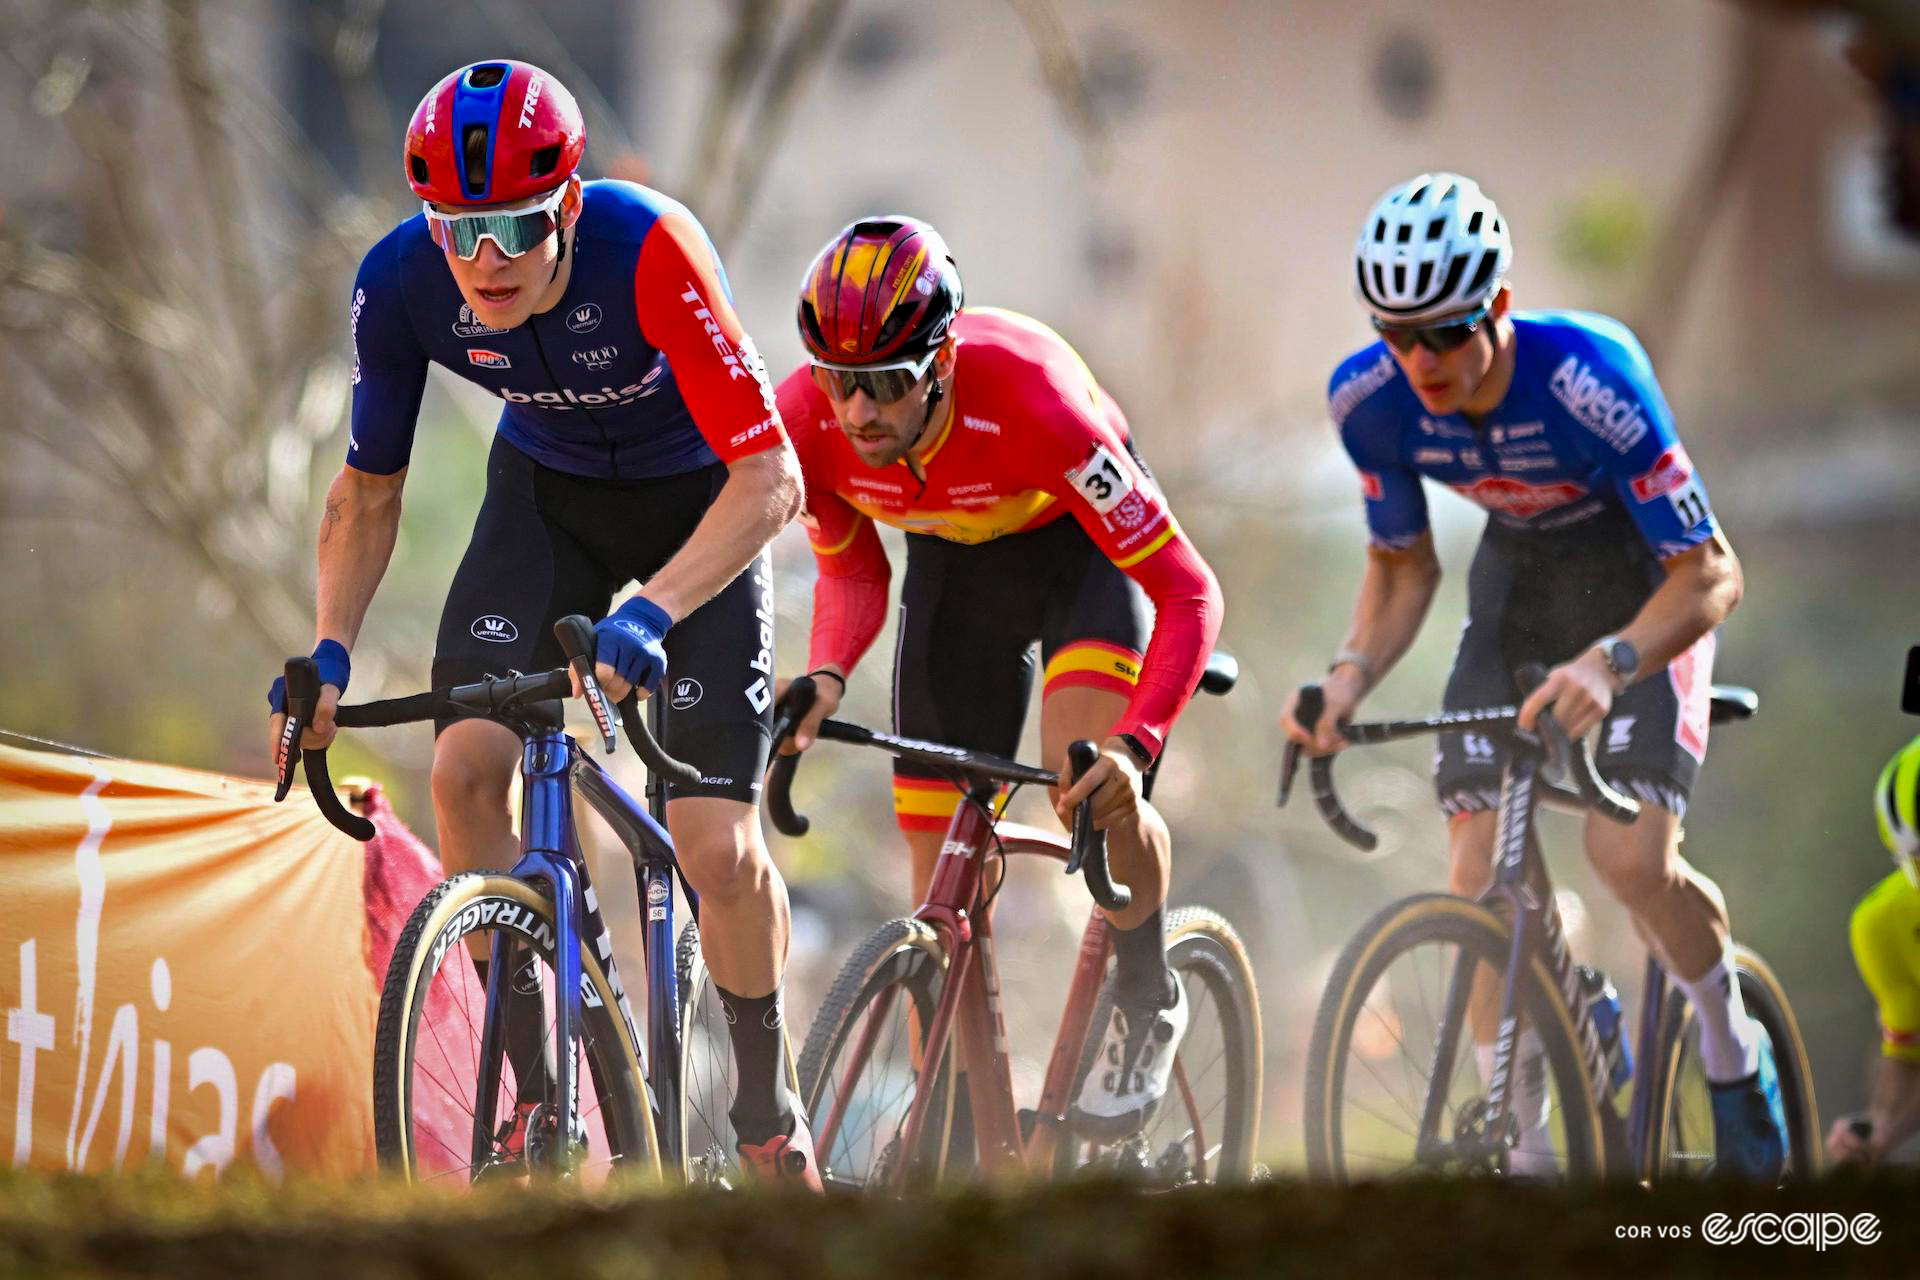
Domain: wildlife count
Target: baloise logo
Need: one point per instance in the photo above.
(495, 628)
(584, 319)
(685, 694)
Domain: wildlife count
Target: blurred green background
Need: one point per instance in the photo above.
(1173, 186)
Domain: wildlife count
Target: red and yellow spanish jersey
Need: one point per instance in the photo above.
(1031, 437)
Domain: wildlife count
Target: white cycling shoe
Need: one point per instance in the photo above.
(1130, 1073)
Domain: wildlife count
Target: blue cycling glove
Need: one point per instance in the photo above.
(330, 657)
(628, 640)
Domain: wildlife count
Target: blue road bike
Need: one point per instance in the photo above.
(479, 1078)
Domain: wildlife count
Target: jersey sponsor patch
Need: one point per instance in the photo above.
(1433, 457)
(1358, 387)
(487, 359)
(1671, 470)
(1614, 417)
(1371, 487)
(468, 325)
(584, 318)
(1101, 480)
(1517, 497)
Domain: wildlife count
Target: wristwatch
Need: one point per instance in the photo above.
(1622, 659)
(1138, 748)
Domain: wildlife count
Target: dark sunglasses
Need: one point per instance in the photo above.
(883, 385)
(1437, 338)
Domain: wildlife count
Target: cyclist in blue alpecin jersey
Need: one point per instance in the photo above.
(1601, 559)
(638, 441)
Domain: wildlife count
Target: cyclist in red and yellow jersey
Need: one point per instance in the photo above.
(1029, 518)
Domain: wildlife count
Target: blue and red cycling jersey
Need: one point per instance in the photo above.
(1583, 429)
(642, 370)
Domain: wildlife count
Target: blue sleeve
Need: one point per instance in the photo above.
(1396, 503)
(389, 367)
(1634, 443)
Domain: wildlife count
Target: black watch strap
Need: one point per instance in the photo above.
(1139, 749)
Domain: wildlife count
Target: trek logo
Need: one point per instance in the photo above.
(468, 326)
(1613, 417)
(487, 359)
(531, 101)
(1517, 498)
(686, 693)
(584, 319)
(719, 339)
(597, 358)
(1671, 470)
(495, 629)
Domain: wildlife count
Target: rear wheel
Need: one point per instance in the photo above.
(426, 1098)
(859, 1072)
(1206, 1128)
(1682, 1141)
(1373, 1064)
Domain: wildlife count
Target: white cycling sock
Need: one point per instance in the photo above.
(1729, 1039)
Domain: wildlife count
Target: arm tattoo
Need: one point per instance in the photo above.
(331, 518)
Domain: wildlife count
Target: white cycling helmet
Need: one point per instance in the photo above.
(1432, 247)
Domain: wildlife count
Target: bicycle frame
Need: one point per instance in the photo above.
(969, 1005)
(550, 852)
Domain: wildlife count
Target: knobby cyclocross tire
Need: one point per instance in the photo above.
(1448, 921)
(477, 903)
(709, 1076)
(1211, 962)
(1766, 1001)
(903, 959)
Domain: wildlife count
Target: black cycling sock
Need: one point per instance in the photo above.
(762, 1108)
(526, 1051)
(1141, 978)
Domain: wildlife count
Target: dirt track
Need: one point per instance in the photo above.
(162, 1228)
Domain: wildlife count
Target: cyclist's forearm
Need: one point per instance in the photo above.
(1701, 589)
(358, 528)
(761, 495)
(1395, 594)
(1896, 1102)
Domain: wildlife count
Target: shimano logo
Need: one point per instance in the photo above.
(532, 100)
(493, 627)
(1348, 395)
(862, 482)
(1613, 417)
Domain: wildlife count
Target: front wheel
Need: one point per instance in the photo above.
(1682, 1145)
(431, 1122)
(1206, 1128)
(861, 1069)
(1383, 1101)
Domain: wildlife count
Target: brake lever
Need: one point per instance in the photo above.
(1307, 709)
(575, 634)
(303, 695)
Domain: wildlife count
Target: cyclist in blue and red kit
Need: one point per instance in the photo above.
(638, 441)
(1601, 559)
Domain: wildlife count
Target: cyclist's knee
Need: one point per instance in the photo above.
(720, 851)
(471, 772)
(1470, 852)
(1637, 867)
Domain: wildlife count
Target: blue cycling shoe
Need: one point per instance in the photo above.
(1749, 1124)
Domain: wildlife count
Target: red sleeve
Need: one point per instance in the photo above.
(1123, 511)
(850, 592)
(684, 311)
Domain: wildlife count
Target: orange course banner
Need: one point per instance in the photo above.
(185, 969)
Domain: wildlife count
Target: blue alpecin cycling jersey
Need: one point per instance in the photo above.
(642, 370)
(1583, 430)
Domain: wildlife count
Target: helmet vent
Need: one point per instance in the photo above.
(545, 161)
(1413, 197)
(486, 77)
(1380, 231)
(1437, 226)
(474, 157)
(417, 165)
(1473, 223)
(1400, 277)
(1406, 233)
(1485, 273)
(1425, 276)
